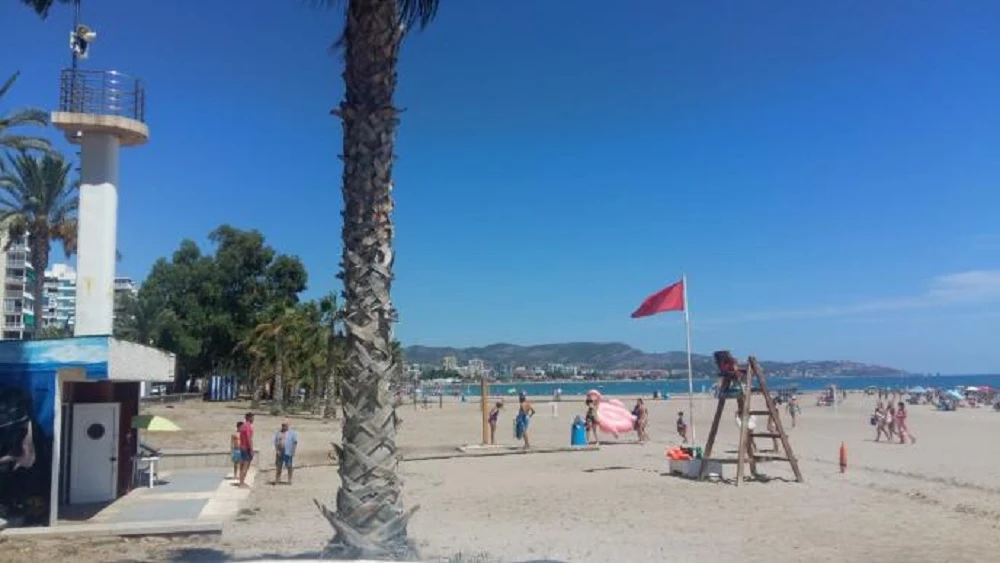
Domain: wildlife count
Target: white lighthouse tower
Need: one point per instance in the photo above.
(102, 111)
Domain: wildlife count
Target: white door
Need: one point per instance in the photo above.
(93, 473)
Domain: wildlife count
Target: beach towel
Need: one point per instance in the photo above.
(520, 425)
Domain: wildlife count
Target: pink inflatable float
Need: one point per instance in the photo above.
(612, 416)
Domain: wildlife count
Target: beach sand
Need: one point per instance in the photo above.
(938, 500)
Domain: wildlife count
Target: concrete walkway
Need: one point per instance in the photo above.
(185, 501)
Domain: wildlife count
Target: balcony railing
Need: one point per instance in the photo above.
(102, 92)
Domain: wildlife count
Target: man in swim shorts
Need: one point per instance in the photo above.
(246, 447)
(285, 442)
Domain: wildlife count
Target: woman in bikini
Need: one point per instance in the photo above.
(881, 422)
(524, 414)
(641, 420)
(901, 428)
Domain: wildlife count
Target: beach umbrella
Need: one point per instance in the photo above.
(154, 423)
(955, 395)
(918, 389)
(972, 389)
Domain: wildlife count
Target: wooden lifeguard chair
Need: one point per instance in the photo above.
(741, 383)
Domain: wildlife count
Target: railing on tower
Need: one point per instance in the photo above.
(102, 92)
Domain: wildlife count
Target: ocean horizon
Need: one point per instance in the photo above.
(646, 388)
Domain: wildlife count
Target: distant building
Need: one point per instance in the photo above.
(449, 363)
(59, 294)
(18, 292)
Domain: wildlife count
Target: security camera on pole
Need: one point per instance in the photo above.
(101, 111)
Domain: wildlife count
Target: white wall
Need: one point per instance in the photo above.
(128, 361)
(97, 235)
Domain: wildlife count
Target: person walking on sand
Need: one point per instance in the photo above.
(524, 414)
(641, 419)
(494, 417)
(682, 427)
(234, 446)
(793, 409)
(285, 442)
(880, 422)
(901, 427)
(591, 421)
(246, 447)
(890, 421)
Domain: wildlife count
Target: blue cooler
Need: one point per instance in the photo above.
(578, 433)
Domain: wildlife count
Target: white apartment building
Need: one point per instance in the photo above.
(18, 290)
(126, 285)
(59, 293)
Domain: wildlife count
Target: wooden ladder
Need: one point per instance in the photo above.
(742, 384)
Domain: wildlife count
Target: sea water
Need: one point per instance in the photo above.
(680, 386)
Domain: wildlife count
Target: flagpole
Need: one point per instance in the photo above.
(687, 326)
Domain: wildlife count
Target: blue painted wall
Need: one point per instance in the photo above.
(28, 374)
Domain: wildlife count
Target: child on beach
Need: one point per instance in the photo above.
(682, 427)
(234, 445)
(901, 428)
(494, 416)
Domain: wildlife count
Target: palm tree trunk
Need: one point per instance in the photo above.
(278, 389)
(255, 386)
(39, 261)
(331, 389)
(369, 521)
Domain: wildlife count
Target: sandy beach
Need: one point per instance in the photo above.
(937, 500)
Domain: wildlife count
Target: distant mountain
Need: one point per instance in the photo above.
(610, 356)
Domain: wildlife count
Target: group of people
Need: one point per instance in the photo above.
(286, 441)
(891, 421)
(525, 411)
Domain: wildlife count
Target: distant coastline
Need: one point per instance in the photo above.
(609, 360)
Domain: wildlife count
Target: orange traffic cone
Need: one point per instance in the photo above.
(843, 458)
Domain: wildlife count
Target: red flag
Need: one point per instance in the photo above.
(668, 299)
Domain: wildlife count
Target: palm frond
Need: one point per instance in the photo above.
(412, 13)
(24, 142)
(21, 118)
(26, 116)
(42, 7)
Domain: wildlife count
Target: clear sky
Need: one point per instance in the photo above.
(826, 173)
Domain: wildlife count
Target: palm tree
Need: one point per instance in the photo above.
(369, 520)
(37, 200)
(332, 316)
(136, 319)
(21, 118)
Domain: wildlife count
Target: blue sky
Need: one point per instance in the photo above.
(824, 172)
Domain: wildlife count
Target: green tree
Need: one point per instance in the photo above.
(54, 332)
(136, 320)
(208, 304)
(38, 200)
(21, 118)
(369, 519)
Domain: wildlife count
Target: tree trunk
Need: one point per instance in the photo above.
(370, 522)
(255, 385)
(331, 389)
(39, 261)
(278, 388)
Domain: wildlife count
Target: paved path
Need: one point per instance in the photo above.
(185, 501)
